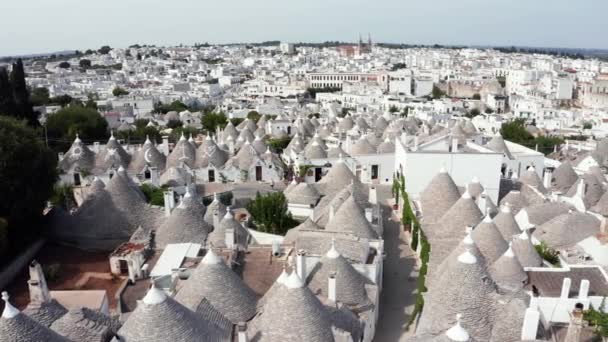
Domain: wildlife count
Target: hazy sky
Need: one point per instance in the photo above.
(33, 26)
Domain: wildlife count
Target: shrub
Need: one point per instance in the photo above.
(154, 195)
(51, 272)
(547, 253)
(270, 213)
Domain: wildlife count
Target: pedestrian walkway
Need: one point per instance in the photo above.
(399, 287)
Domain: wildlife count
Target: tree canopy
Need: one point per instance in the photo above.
(28, 171)
(270, 213)
(63, 126)
(118, 91)
(212, 120)
(15, 95)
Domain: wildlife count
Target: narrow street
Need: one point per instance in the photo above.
(397, 298)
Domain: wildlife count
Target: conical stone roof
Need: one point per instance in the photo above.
(497, 144)
(148, 155)
(16, 326)
(183, 152)
(525, 252)
(438, 197)
(216, 207)
(159, 317)
(293, 314)
(475, 188)
(350, 284)
(506, 224)
(350, 218)
(488, 239)
(337, 178)
(216, 282)
(79, 155)
(464, 213)
(567, 229)
(564, 177)
(507, 272)
(468, 289)
(186, 224)
(83, 324)
(531, 178)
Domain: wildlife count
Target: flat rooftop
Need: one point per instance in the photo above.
(549, 283)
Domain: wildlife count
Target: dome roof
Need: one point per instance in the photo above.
(564, 177)
(488, 239)
(438, 196)
(148, 155)
(186, 224)
(350, 284)
(467, 287)
(159, 317)
(525, 252)
(567, 229)
(215, 207)
(216, 282)
(506, 224)
(507, 272)
(16, 326)
(350, 218)
(183, 152)
(337, 178)
(79, 155)
(464, 213)
(293, 314)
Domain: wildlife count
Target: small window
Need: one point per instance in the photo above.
(147, 174)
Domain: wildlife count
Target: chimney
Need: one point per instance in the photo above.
(39, 291)
(154, 177)
(229, 238)
(547, 178)
(580, 189)
(404, 138)
(583, 291)
(166, 145)
(576, 324)
(530, 326)
(242, 332)
(300, 264)
(565, 288)
(482, 202)
(332, 212)
(369, 215)
(331, 288)
(373, 195)
(416, 139)
(454, 145)
(169, 202)
(96, 147)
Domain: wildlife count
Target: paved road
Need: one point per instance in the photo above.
(397, 298)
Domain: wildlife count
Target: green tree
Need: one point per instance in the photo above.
(253, 115)
(515, 131)
(104, 50)
(64, 65)
(211, 121)
(23, 107)
(40, 96)
(153, 194)
(278, 144)
(393, 109)
(270, 213)
(437, 92)
(85, 63)
(61, 100)
(174, 124)
(587, 125)
(118, 91)
(476, 97)
(7, 99)
(546, 144)
(28, 171)
(472, 113)
(63, 126)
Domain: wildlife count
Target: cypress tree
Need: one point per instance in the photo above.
(22, 95)
(7, 101)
